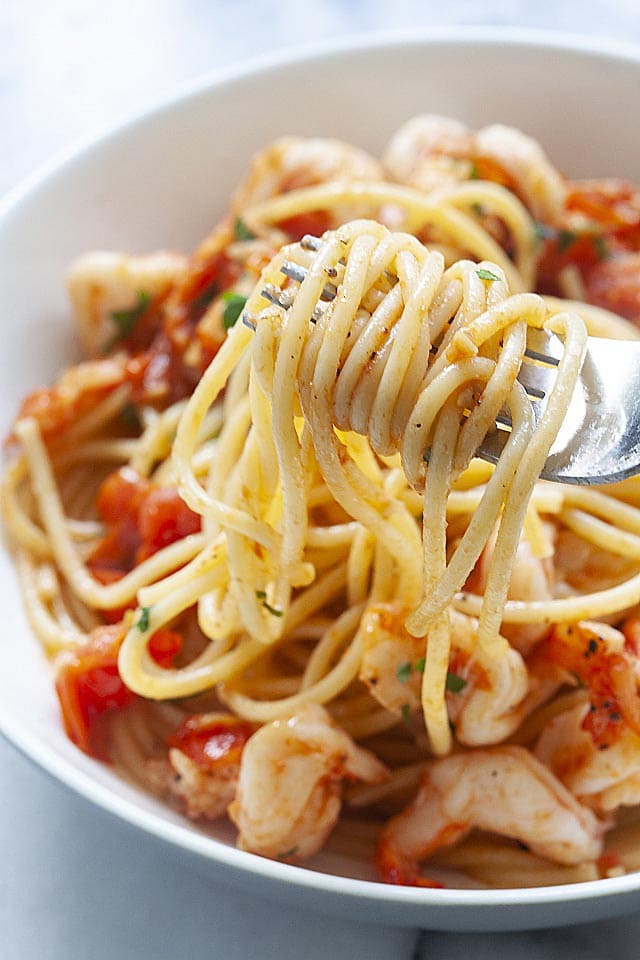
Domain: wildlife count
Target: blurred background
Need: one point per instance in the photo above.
(73, 882)
(68, 68)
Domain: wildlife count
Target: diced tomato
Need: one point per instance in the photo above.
(120, 494)
(614, 284)
(141, 518)
(315, 222)
(209, 743)
(163, 518)
(610, 202)
(164, 645)
(88, 685)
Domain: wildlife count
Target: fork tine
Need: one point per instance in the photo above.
(543, 347)
(537, 380)
(295, 272)
(309, 242)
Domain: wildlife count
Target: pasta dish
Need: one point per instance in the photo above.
(275, 580)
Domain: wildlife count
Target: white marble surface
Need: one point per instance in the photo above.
(75, 883)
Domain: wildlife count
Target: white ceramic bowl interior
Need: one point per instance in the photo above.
(161, 181)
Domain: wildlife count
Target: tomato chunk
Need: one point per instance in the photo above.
(88, 685)
(141, 518)
(211, 742)
(164, 645)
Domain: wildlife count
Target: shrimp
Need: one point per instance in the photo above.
(77, 391)
(116, 301)
(201, 773)
(430, 152)
(601, 779)
(532, 578)
(598, 657)
(581, 567)
(533, 178)
(486, 696)
(292, 163)
(104, 286)
(504, 790)
(594, 747)
(288, 796)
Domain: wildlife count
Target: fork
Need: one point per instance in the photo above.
(599, 441)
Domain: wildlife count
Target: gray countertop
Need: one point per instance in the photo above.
(70, 886)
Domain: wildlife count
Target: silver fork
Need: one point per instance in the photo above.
(599, 441)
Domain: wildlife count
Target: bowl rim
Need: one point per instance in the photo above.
(183, 837)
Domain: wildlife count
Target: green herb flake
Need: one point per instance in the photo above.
(487, 274)
(272, 610)
(285, 854)
(420, 665)
(130, 416)
(478, 209)
(143, 620)
(126, 320)
(234, 305)
(403, 672)
(406, 712)
(566, 239)
(261, 595)
(241, 230)
(600, 246)
(455, 683)
(474, 173)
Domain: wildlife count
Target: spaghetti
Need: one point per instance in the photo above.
(298, 562)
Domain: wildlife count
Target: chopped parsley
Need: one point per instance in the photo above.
(130, 416)
(406, 712)
(241, 230)
(420, 665)
(455, 683)
(474, 173)
(261, 595)
(487, 274)
(566, 239)
(126, 320)
(234, 305)
(403, 672)
(600, 246)
(285, 854)
(143, 620)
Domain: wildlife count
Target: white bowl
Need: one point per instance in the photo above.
(161, 181)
